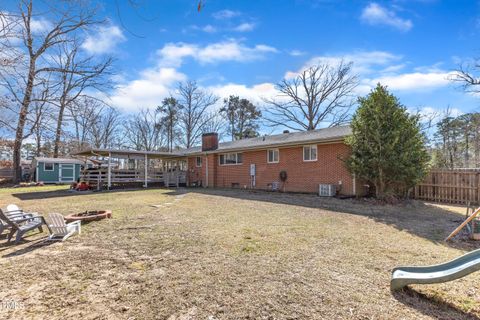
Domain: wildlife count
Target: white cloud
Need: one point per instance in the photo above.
(40, 25)
(296, 53)
(386, 68)
(415, 81)
(104, 40)
(148, 90)
(209, 28)
(375, 14)
(173, 54)
(225, 14)
(364, 62)
(253, 93)
(244, 27)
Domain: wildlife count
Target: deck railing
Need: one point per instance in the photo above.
(99, 177)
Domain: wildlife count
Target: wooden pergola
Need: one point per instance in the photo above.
(171, 170)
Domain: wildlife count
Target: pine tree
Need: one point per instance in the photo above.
(388, 147)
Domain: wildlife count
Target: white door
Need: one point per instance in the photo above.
(67, 173)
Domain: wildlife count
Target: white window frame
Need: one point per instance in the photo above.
(45, 168)
(230, 164)
(312, 146)
(196, 162)
(278, 155)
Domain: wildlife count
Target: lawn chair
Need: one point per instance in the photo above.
(21, 223)
(15, 213)
(59, 230)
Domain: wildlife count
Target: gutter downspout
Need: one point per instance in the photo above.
(206, 170)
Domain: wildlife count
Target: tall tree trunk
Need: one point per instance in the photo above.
(58, 132)
(61, 111)
(22, 117)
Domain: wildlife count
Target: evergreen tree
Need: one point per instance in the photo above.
(242, 116)
(388, 148)
(170, 108)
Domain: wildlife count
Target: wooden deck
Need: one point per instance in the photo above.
(118, 177)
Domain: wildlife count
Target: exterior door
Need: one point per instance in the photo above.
(67, 173)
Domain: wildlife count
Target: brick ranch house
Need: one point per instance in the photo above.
(308, 158)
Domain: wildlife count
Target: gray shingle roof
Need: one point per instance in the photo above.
(284, 139)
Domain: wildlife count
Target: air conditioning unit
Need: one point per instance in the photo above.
(327, 190)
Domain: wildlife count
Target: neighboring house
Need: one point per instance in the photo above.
(308, 158)
(56, 170)
(6, 151)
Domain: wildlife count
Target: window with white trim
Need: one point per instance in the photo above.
(230, 158)
(47, 166)
(199, 161)
(310, 153)
(273, 155)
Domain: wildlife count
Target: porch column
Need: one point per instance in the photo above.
(109, 171)
(146, 171)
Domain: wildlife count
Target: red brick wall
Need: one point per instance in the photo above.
(302, 176)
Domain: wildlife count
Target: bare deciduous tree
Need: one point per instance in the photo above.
(144, 131)
(104, 128)
(319, 94)
(193, 115)
(76, 74)
(36, 45)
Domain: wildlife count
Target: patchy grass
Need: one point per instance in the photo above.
(228, 254)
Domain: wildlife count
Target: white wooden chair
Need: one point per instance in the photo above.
(59, 230)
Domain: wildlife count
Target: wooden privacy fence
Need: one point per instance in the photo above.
(6, 173)
(460, 186)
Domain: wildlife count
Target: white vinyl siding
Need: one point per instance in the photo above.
(273, 155)
(310, 153)
(230, 158)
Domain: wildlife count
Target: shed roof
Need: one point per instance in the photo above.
(58, 160)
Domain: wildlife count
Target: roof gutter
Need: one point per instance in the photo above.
(277, 145)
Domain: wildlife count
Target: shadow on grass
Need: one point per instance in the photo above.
(33, 240)
(415, 217)
(68, 193)
(433, 307)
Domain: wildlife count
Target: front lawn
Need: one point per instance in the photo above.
(225, 254)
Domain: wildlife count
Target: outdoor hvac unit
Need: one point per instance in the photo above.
(327, 190)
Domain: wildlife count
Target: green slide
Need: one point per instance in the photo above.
(454, 269)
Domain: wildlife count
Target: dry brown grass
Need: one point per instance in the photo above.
(232, 254)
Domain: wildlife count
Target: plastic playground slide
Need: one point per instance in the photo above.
(454, 269)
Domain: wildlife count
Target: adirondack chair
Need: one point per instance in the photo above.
(59, 230)
(15, 213)
(20, 223)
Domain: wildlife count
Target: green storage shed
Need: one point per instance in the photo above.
(56, 170)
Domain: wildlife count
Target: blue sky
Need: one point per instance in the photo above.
(245, 47)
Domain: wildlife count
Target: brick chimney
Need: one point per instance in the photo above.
(209, 141)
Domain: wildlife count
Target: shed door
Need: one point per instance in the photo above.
(67, 172)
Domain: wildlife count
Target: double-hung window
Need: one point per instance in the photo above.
(230, 158)
(273, 155)
(199, 161)
(310, 153)
(47, 166)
